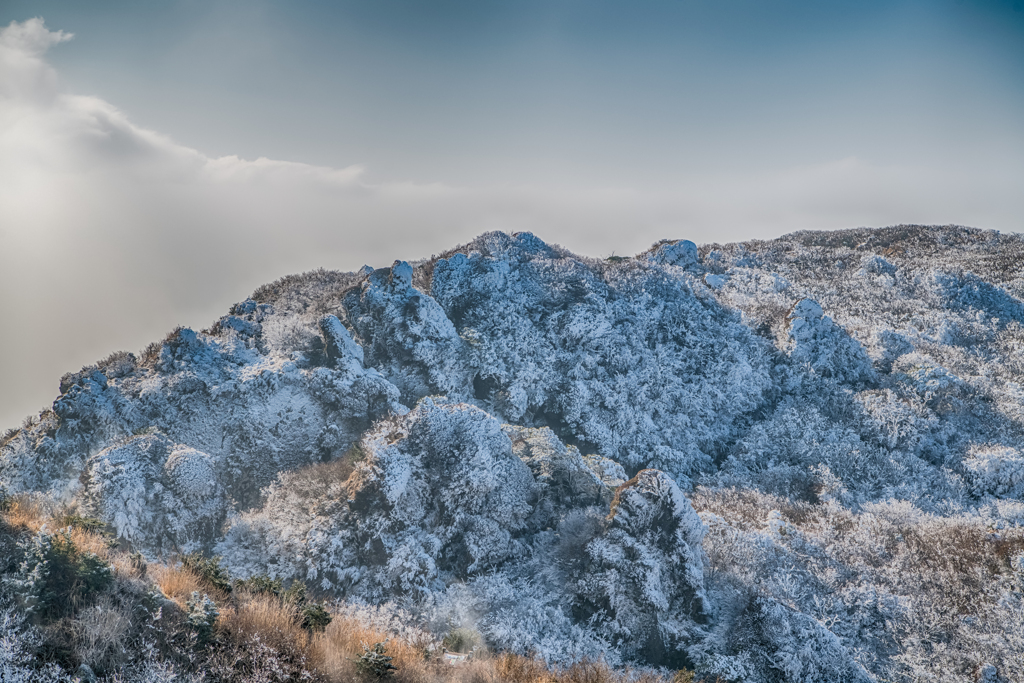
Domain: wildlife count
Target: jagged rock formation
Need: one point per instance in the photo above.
(748, 458)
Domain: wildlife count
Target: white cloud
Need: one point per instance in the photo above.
(112, 234)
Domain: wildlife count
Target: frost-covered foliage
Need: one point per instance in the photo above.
(17, 661)
(642, 578)
(509, 438)
(824, 346)
(160, 496)
(437, 496)
(633, 360)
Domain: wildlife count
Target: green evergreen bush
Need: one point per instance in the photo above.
(208, 569)
(260, 585)
(202, 615)
(375, 662)
(56, 577)
(315, 617)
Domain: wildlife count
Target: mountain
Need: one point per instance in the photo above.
(788, 460)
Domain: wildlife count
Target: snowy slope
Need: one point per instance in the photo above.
(822, 437)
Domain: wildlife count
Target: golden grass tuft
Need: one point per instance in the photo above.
(26, 512)
(178, 583)
(512, 668)
(276, 622)
(91, 542)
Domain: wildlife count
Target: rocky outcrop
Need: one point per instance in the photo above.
(682, 254)
(406, 335)
(642, 577)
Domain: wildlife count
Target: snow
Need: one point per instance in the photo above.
(779, 460)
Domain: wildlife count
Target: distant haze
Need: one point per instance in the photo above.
(166, 160)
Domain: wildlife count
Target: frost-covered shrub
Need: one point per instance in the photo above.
(996, 471)
(872, 264)
(781, 454)
(201, 616)
(933, 382)
(897, 421)
(967, 291)
(519, 615)
(285, 335)
(824, 346)
(642, 582)
(17, 645)
(785, 646)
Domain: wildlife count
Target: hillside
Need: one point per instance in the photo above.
(788, 460)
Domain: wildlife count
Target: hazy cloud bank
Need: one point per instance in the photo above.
(112, 234)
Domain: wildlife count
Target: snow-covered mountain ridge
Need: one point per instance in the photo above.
(795, 460)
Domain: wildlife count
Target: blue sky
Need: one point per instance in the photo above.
(171, 157)
(567, 92)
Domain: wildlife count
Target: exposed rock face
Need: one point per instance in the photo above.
(338, 344)
(682, 253)
(565, 480)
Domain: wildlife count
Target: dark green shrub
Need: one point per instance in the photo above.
(375, 662)
(259, 585)
(296, 593)
(315, 617)
(209, 570)
(138, 564)
(81, 522)
(56, 577)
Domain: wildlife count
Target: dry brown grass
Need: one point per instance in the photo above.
(178, 583)
(335, 651)
(91, 543)
(746, 508)
(512, 668)
(30, 514)
(26, 513)
(276, 622)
